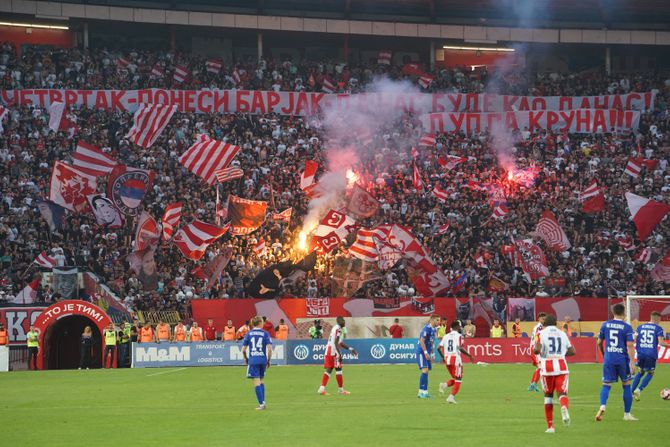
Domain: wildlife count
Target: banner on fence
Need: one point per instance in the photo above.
(206, 353)
(573, 121)
(402, 350)
(308, 103)
(17, 321)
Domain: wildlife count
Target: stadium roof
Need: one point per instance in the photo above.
(611, 14)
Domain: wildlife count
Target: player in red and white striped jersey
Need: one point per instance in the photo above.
(333, 357)
(552, 346)
(451, 348)
(533, 338)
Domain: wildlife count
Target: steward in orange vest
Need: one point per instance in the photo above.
(4, 336)
(147, 334)
(282, 331)
(228, 332)
(180, 333)
(163, 331)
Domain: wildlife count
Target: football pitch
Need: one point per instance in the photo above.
(214, 406)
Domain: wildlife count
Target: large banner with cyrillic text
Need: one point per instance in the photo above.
(309, 103)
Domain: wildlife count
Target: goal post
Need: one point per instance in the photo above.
(638, 307)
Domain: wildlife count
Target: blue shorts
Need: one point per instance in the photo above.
(423, 363)
(646, 364)
(613, 372)
(256, 371)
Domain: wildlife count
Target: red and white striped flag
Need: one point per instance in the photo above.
(551, 232)
(633, 168)
(427, 140)
(440, 194)
(646, 213)
(92, 160)
(625, 241)
(236, 77)
(500, 212)
(644, 256)
(122, 63)
(181, 73)
(228, 174)
(29, 293)
(308, 177)
(260, 248)
(327, 86)
(367, 243)
(284, 216)
(45, 261)
(193, 239)
(418, 183)
(157, 71)
(425, 80)
(214, 65)
(480, 260)
(148, 123)
(442, 228)
(591, 191)
(384, 57)
(207, 156)
(170, 219)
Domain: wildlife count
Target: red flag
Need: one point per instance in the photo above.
(412, 70)
(29, 293)
(171, 218)
(92, 160)
(500, 212)
(646, 213)
(45, 261)
(122, 63)
(327, 86)
(415, 153)
(626, 242)
(661, 271)
(644, 256)
(70, 187)
(307, 178)
(362, 203)
(284, 216)
(246, 216)
(148, 123)
(193, 239)
(57, 117)
(551, 232)
(592, 198)
(207, 156)
(425, 80)
(260, 248)
(418, 183)
(443, 228)
(147, 231)
(452, 161)
(157, 71)
(530, 257)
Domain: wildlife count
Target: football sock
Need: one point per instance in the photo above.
(627, 398)
(263, 391)
(564, 401)
(536, 376)
(340, 379)
(636, 380)
(450, 382)
(646, 381)
(457, 386)
(324, 379)
(549, 411)
(259, 394)
(423, 382)
(604, 395)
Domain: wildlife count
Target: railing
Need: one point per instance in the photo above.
(155, 317)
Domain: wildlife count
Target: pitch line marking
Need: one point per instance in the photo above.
(165, 372)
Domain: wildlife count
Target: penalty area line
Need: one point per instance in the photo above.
(165, 372)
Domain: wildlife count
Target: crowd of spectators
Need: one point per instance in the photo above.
(273, 151)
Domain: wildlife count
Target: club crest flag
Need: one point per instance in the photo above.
(127, 187)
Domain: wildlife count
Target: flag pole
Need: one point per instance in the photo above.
(23, 275)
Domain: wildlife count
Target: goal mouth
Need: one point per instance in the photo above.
(640, 307)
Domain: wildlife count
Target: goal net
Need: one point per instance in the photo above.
(640, 307)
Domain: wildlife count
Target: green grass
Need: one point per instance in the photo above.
(214, 406)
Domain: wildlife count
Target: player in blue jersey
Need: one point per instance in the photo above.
(616, 344)
(425, 355)
(648, 337)
(258, 360)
